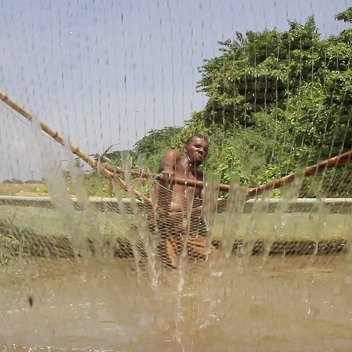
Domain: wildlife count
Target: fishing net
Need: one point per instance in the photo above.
(110, 86)
(232, 219)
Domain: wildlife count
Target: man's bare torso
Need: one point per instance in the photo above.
(174, 197)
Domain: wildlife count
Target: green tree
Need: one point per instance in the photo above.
(291, 89)
(345, 16)
(154, 144)
(277, 101)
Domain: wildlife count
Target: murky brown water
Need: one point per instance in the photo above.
(242, 304)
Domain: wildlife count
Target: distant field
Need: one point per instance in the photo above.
(22, 189)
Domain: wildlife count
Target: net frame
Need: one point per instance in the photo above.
(188, 233)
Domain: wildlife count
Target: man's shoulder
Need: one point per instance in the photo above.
(170, 160)
(172, 153)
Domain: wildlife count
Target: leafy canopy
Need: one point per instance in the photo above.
(277, 101)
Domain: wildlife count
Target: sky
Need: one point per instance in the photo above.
(107, 72)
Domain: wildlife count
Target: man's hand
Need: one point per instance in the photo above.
(166, 176)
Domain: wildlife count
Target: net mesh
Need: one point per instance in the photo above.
(129, 228)
(118, 80)
(66, 225)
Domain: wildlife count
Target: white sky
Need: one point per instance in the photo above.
(104, 72)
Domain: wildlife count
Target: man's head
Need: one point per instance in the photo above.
(196, 148)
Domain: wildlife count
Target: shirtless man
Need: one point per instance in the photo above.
(173, 222)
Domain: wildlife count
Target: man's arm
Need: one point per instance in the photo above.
(200, 177)
(201, 194)
(167, 167)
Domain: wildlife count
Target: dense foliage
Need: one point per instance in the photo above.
(277, 101)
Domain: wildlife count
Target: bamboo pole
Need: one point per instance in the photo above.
(174, 180)
(111, 171)
(75, 149)
(339, 160)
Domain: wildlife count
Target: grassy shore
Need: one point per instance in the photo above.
(29, 231)
(23, 188)
(64, 231)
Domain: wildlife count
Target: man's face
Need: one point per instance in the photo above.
(197, 150)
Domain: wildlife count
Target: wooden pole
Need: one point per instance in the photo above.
(75, 149)
(175, 180)
(111, 171)
(339, 160)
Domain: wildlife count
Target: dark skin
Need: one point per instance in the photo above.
(174, 219)
(183, 166)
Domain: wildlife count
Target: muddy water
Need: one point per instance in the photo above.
(242, 304)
